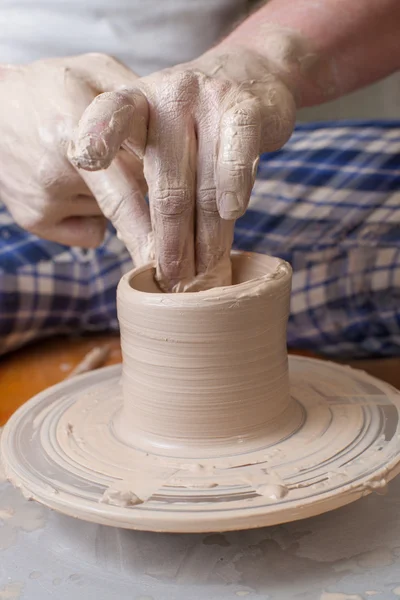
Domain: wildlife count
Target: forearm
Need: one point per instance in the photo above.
(326, 48)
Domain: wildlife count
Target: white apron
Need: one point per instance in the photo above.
(145, 34)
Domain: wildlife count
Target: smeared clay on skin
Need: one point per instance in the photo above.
(207, 122)
(201, 126)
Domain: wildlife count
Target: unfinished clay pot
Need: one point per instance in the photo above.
(206, 370)
(201, 429)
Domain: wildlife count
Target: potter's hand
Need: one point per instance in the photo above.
(205, 125)
(40, 108)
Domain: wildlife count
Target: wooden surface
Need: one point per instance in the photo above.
(28, 371)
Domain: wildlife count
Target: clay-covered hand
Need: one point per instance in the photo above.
(41, 105)
(201, 127)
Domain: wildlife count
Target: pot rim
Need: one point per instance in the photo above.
(252, 287)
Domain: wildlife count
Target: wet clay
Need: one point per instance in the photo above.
(204, 370)
(201, 430)
(339, 442)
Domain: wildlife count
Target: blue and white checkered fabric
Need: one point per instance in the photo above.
(329, 203)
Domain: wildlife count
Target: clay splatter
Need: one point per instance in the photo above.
(17, 513)
(11, 591)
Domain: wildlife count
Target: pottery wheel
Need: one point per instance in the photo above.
(341, 443)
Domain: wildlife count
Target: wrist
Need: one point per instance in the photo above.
(288, 56)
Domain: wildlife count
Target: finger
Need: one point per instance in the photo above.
(122, 202)
(238, 155)
(83, 232)
(170, 173)
(112, 120)
(61, 196)
(43, 213)
(214, 235)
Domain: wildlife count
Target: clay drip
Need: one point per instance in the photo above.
(205, 371)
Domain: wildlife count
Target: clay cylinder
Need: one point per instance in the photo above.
(204, 370)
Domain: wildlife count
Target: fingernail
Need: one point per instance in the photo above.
(229, 206)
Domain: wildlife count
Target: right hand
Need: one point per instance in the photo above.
(207, 122)
(41, 105)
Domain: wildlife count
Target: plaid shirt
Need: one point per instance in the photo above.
(329, 203)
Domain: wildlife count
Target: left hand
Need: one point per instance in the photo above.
(41, 104)
(206, 124)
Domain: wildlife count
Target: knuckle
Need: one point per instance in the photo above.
(186, 78)
(238, 158)
(112, 206)
(234, 168)
(178, 88)
(171, 202)
(242, 117)
(207, 200)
